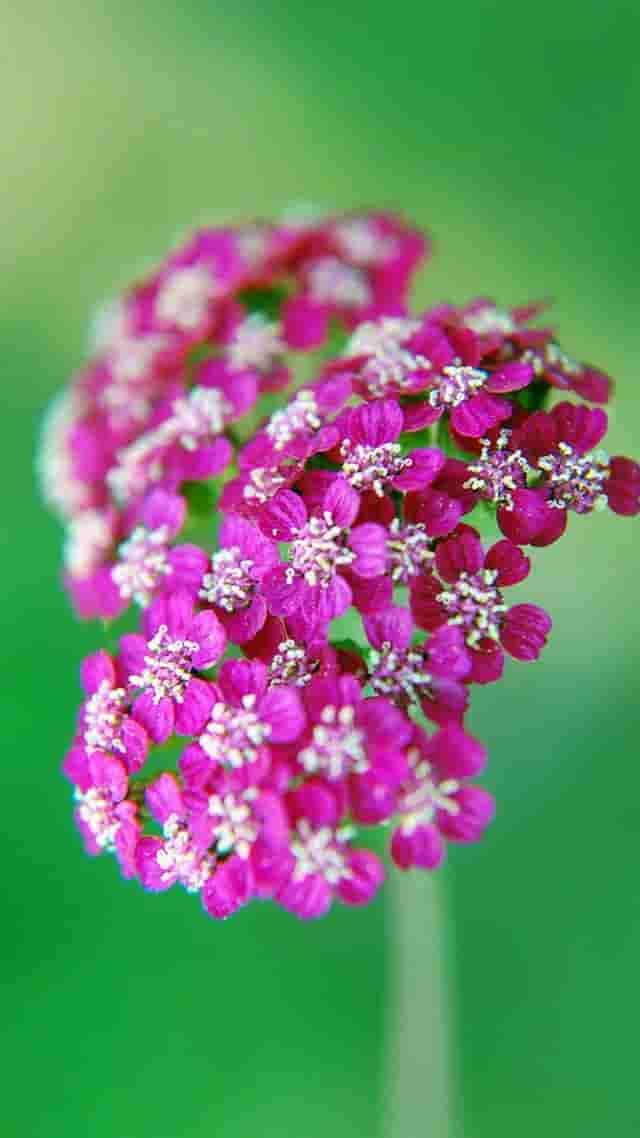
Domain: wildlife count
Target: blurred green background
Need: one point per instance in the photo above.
(511, 133)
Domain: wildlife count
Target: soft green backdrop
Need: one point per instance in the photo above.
(511, 132)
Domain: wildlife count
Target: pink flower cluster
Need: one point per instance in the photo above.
(317, 602)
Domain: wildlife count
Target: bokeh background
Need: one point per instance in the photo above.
(511, 133)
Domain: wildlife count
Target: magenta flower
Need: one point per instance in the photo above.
(559, 445)
(184, 296)
(107, 820)
(323, 546)
(146, 563)
(472, 396)
(356, 269)
(396, 356)
(181, 854)
(348, 735)
(245, 716)
(232, 584)
(243, 825)
(499, 475)
(425, 675)
(435, 804)
(372, 458)
(161, 666)
(300, 429)
(466, 591)
(104, 722)
(319, 861)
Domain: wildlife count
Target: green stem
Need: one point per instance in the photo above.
(420, 1100)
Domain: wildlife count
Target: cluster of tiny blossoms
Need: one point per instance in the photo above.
(316, 603)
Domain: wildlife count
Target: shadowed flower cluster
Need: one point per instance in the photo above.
(283, 479)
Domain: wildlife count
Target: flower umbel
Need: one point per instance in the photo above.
(304, 544)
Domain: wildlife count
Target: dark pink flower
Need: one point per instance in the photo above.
(435, 804)
(104, 816)
(301, 428)
(232, 583)
(427, 675)
(181, 854)
(147, 564)
(372, 458)
(466, 591)
(183, 297)
(161, 666)
(319, 861)
(472, 396)
(322, 546)
(575, 478)
(104, 722)
(245, 717)
(241, 824)
(347, 734)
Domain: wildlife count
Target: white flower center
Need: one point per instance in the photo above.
(371, 467)
(167, 668)
(318, 550)
(474, 602)
(257, 343)
(233, 736)
(333, 282)
(183, 298)
(319, 852)
(143, 562)
(230, 584)
(298, 418)
(337, 745)
(455, 385)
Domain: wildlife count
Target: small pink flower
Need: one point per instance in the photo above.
(178, 642)
(372, 458)
(181, 854)
(241, 824)
(322, 546)
(435, 804)
(146, 563)
(424, 675)
(472, 396)
(319, 861)
(245, 716)
(232, 584)
(348, 735)
(106, 820)
(466, 591)
(104, 723)
(574, 476)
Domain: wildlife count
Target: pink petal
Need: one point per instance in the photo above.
(455, 754)
(394, 627)
(153, 877)
(510, 562)
(163, 798)
(475, 417)
(370, 544)
(192, 714)
(282, 709)
(525, 631)
(366, 876)
(283, 516)
(342, 502)
(524, 521)
(95, 669)
(157, 718)
(461, 553)
(228, 888)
